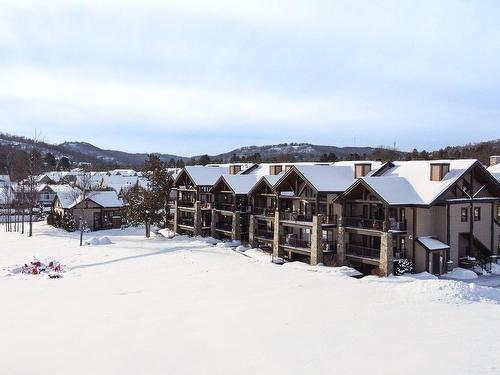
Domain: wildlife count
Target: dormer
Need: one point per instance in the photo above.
(494, 160)
(275, 169)
(362, 169)
(439, 170)
(234, 169)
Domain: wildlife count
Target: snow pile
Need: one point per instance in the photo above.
(241, 248)
(36, 267)
(228, 244)
(337, 271)
(211, 240)
(167, 233)
(460, 274)
(449, 291)
(495, 268)
(98, 241)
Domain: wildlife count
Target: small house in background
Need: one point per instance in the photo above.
(98, 209)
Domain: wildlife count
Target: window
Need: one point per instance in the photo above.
(477, 213)
(464, 214)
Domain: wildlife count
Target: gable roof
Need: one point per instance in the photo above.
(66, 195)
(105, 199)
(336, 177)
(204, 176)
(409, 183)
(240, 184)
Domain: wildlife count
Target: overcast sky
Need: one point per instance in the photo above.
(196, 76)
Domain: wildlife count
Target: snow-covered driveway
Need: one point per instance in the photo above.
(183, 306)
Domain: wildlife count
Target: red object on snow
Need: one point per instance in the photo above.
(35, 271)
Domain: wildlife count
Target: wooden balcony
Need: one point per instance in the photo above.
(295, 243)
(265, 234)
(359, 251)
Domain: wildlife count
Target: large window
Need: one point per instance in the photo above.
(477, 213)
(464, 214)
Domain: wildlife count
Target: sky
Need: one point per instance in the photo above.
(190, 77)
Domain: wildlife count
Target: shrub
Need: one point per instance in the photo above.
(69, 222)
(403, 266)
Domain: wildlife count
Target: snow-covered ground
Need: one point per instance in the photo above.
(184, 306)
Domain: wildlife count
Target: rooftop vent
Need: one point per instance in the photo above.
(439, 170)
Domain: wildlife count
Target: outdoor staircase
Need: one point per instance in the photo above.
(482, 254)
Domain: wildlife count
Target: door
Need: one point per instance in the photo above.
(97, 221)
(436, 263)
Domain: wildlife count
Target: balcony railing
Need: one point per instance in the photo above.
(295, 216)
(362, 251)
(295, 242)
(231, 207)
(224, 226)
(360, 222)
(264, 234)
(264, 211)
(328, 245)
(183, 203)
(186, 221)
(328, 219)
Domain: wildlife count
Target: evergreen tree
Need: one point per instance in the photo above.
(64, 164)
(50, 161)
(69, 222)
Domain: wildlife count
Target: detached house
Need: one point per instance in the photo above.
(98, 209)
(438, 214)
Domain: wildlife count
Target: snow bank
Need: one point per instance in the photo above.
(228, 244)
(495, 268)
(167, 233)
(98, 241)
(338, 271)
(460, 274)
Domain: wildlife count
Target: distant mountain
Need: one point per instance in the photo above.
(113, 156)
(299, 151)
(86, 152)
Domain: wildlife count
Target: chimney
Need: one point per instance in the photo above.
(439, 170)
(362, 169)
(275, 169)
(234, 169)
(494, 160)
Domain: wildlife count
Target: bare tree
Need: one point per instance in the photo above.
(33, 169)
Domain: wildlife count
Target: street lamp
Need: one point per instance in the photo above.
(83, 227)
(147, 224)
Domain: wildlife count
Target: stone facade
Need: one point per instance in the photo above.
(386, 254)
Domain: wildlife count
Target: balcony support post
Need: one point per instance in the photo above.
(236, 227)
(213, 223)
(251, 230)
(316, 250)
(341, 245)
(277, 252)
(197, 219)
(386, 254)
(176, 214)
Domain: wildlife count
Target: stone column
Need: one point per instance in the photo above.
(176, 215)
(236, 227)
(197, 219)
(251, 230)
(386, 254)
(213, 224)
(316, 250)
(341, 245)
(277, 252)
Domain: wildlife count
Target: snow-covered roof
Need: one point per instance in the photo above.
(335, 177)
(205, 176)
(495, 171)
(273, 179)
(119, 182)
(122, 172)
(408, 182)
(241, 184)
(432, 243)
(67, 195)
(106, 199)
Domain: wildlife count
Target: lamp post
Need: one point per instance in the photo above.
(147, 224)
(83, 228)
